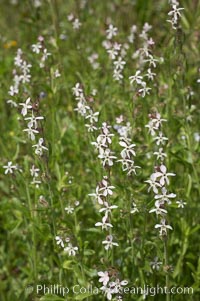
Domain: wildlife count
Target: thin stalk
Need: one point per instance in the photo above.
(166, 265)
(31, 209)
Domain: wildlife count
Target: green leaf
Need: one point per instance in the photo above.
(67, 264)
(89, 252)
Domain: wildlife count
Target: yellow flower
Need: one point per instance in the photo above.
(10, 44)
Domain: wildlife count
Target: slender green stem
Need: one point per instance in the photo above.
(166, 266)
(34, 247)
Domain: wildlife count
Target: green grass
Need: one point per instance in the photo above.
(71, 169)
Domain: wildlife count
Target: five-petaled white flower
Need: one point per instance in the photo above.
(153, 183)
(9, 168)
(136, 78)
(69, 209)
(155, 264)
(111, 32)
(97, 196)
(26, 106)
(163, 175)
(71, 250)
(181, 204)
(39, 147)
(104, 277)
(163, 227)
(104, 223)
(164, 197)
(108, 243)
(59, 241)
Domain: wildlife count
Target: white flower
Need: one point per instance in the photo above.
(160, 155)
(71, 250)
(82, 108)
(45, 55)
(134, 209)
(126, 163)
(107, 208)
(69, 209)
(107, 190)
(175, 12)
(117, 75)
(108, 292)
(155, 264)
(104, 277)
(59, 241)
(150, 75)
(163, 175)
(34, 171)
(25, 67)
(160, 139)
(93, 116)
(40, 147)
(157, 120)
(36, 47)
(197, 137)
(26, 106)
(70, 17)
(36, 182)
(164, 197)
(57, 73)
(91, 127)
(151, 61)
(144, 90)
(12, 103)
(111, 32)
(77, 90)
(132, 169)
(106, 156)
(9, 168)
(128, 149)
(33, 120)
(109, 242)
(25, 78)
(104, 223)
(112, 53)
(119, 64)
(76, 24)
(98, 196)
(31, 132)
(18, 59)
(153, 184)
(13, 90)
(158, 210)
(136, 78)
(181, 204)
(163, 227)
(152, 128)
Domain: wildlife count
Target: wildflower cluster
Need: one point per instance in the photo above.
(175, 13)
(22, 76)
(39, 48)
(83, 108)
(146, 61)
(159, 179)
(76, 24)
(112, 285)
(102, 194)
(128, 152)
(93, 59)
(66, 245)
(116, 52)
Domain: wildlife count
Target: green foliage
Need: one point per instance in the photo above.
(30, 217)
